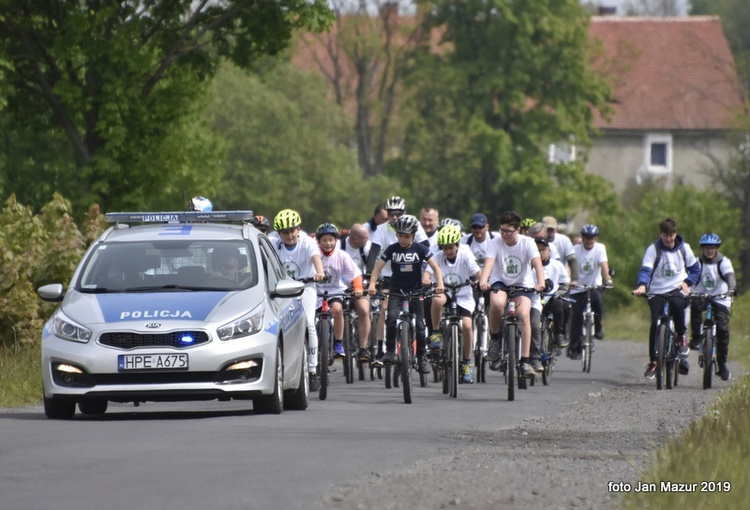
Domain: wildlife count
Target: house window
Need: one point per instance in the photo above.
(561, 153)
(657, 150)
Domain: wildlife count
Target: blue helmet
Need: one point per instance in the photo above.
(710, 239)
(590, 230)
(327, 229)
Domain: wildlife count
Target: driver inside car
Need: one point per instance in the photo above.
(226, 262)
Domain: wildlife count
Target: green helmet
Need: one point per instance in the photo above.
(449, 234)
(287, 219)
(528, 222)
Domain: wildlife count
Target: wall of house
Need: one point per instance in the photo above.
(621, 158)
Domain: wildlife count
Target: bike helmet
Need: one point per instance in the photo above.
(261, 223)
(710, 239)
(590, 230)
(528, 222)
(200, 204)
(395, 204)
(449, 234)
(449, 222)
(407, 224)
(326, 229)
(287, 219)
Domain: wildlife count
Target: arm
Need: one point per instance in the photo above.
(573, 265)
(536, 264)
(318, 264)
(438, 275)
(372, 289)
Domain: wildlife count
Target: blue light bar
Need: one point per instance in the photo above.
(178, 216)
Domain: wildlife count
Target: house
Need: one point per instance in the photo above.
(675, 94)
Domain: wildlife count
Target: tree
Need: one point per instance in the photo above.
(364, 58)
(508, 79)
(117, 81)
(288, 147)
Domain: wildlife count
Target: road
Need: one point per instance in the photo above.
(363, 447)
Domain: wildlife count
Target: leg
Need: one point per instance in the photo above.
(309, 298)
(597, 306)
(362, 307)
(576, 323)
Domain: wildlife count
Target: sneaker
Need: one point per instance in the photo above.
(682, 347)
(388, 358)
(436, 341)
(650, 372)
(468, 375)
(684, 367)
(561, 341)
(495, 365)
(573, 354)
(363, 355)
(695, 344)
(536, 365)
(424, 365)
(599, 335)
(338, 349)
(378, 361)
(724, 372)
(314, 382)
(493, 352)
(526, 371)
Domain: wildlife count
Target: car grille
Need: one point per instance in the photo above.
(125, 340)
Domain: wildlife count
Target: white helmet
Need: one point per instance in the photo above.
(395, 204)
(200, 204)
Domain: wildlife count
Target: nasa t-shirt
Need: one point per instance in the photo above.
(406, 264)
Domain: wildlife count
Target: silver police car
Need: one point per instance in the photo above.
(176, 306)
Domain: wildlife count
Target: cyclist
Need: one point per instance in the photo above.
(379, 216)
(429, 218)
(479, 238)
(593, 269)
(716, 278)
(301, 258)
(526, 224)
(557, 274)
(261, 223)
(407, 258)
(457, 264)
(564, 248)
(339, 268)
(668, 270)
(511, 260)
(357, 245)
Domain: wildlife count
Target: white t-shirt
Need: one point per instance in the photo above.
(711, 283)
(564, 247)
(589, 268)
(298, 260)
(457, 272)
(479, 248)
(512, 263)
(672, 269)
(356, 255)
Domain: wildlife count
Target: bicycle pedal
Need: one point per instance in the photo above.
(700, 361)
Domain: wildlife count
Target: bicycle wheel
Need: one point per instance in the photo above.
(708, 362)
(454, 360)
(670, 362)
(349, 337)
(480, 346)
(405, 361)
(588, 336)
(548, 350)
(661, 348)
(324, 345)
(372, 346)
(387, 377)
(510, 344)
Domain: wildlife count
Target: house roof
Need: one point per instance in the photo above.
(675, 73)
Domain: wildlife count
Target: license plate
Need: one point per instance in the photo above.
(127, 362)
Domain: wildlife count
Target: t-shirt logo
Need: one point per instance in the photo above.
(292, 269)
(451, 279)
(587, 267)
(668, 270)
(511, 266)
(709, 282)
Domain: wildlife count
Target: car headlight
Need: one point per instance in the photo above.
(69, 330)
(248, 324)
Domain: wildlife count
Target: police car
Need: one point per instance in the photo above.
(173, 306)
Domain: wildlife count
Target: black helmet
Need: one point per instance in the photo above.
(407, 224)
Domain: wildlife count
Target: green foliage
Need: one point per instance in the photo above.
(110, 90)
(509, 79)
(288, 148)
(35, 250)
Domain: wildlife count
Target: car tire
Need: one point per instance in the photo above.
(273, 403)
(59, 409)
(93, 407)
(299, 399)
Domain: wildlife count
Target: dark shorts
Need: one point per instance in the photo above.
(504, 288)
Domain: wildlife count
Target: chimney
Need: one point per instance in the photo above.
(607, 11)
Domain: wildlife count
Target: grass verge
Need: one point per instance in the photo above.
(20, 376)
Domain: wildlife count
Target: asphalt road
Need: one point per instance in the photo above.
(555, 446)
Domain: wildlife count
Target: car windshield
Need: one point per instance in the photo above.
(169, 266)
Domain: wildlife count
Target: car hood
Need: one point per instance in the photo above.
(182, 306)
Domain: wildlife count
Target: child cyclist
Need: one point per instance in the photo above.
(557, 275)
(301, 258)
(406, 258)
(716, 279)
(511, 260)
(457, 264)
(340, 270)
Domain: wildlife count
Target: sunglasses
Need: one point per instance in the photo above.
(507, 231)
(397, 214)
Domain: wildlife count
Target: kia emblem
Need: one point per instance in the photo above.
(153, 325)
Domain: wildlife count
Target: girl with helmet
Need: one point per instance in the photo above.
(339, 267)
(406, 258)
(717, 279)
(457, 264)
(593, 270)
(301, 258)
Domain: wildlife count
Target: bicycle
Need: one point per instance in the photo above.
(372, 341)
(548, 346)
(667, 350)
(481, 337)
(406, 328)
(587, 338)
(510, 342)
(351, 336)
(707, 356)
(452, 345)
(324, 328)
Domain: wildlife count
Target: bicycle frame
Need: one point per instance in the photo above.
(707, 356)
(666, 350)
(481, 337)
(451, 362)
(324, 327)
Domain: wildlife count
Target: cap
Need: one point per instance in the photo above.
(478, 220)
(541, 240)
(550, 221)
